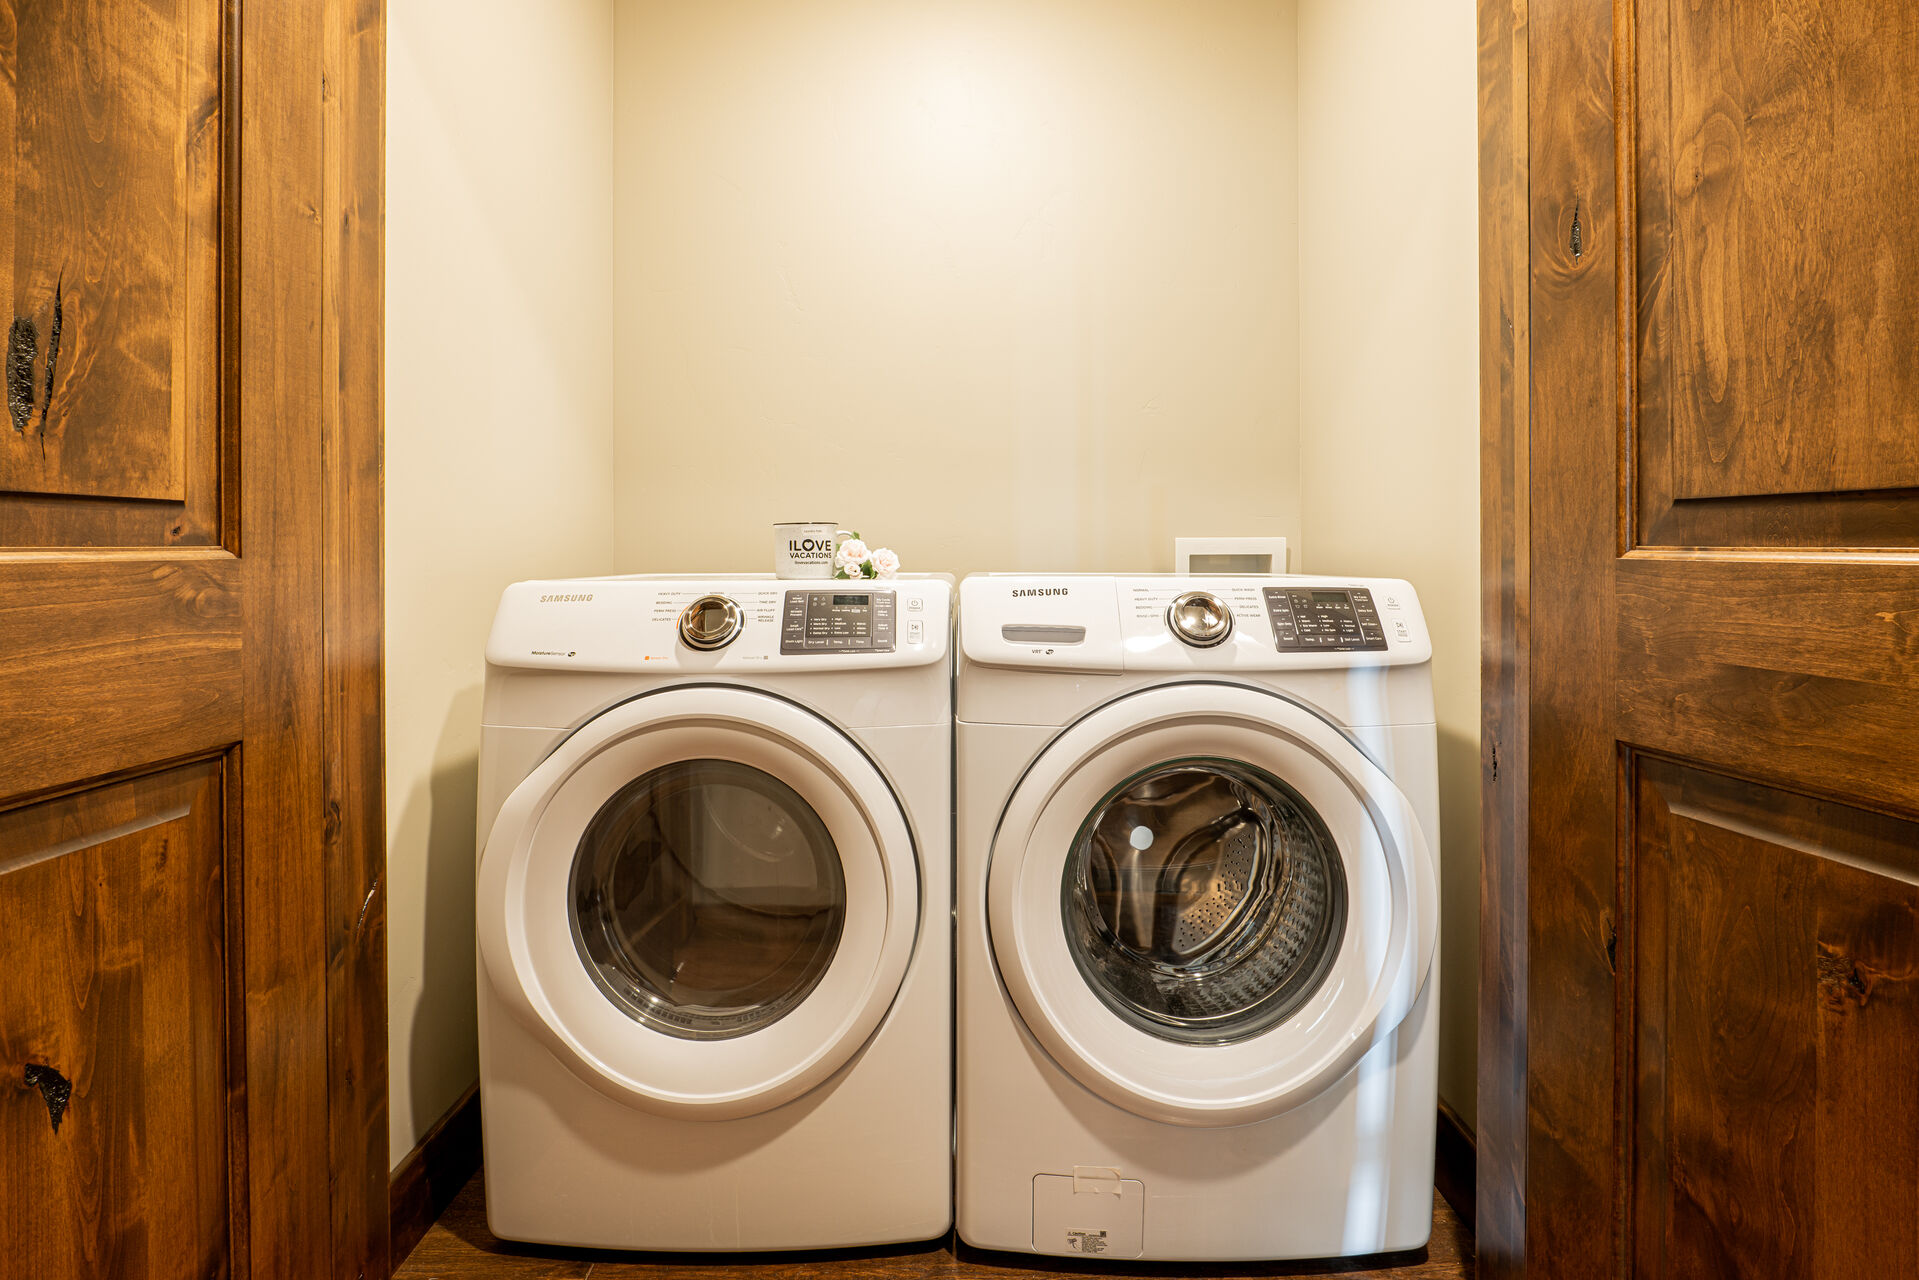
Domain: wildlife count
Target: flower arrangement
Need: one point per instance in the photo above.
(854, 559)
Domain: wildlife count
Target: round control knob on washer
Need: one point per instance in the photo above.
(711, 622)
(1200, 618)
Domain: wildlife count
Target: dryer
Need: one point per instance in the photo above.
(713, 913)
(1197, 910)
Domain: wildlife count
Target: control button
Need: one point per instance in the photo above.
(915, 631)
(1200, 618)
(915, 604)
(711, 622)
(1400, 631)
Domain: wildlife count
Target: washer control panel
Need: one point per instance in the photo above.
(840, 620)
(1336, 619)
(1175, 622)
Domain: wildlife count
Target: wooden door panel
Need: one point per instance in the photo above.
(1778, 305)
(111, 118)
(1773, 141)
(113, 1030)
(162, 638)
(1795, 671)
(1775, 1003)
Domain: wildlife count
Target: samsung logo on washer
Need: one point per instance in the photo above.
(1039, 591)
(576, 597)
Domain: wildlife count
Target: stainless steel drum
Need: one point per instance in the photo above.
(1204, 900)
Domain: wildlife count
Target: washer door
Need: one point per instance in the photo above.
(703, 902)
(1207, 904)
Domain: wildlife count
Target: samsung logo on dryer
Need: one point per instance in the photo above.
(567, 597)
(1039, 591)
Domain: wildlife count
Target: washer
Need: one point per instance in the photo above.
(1197, 908)
(714, 914)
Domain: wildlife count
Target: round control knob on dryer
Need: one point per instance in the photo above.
(1200, 618)
(711, 622)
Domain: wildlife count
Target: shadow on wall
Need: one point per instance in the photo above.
(1459, 772)
(438, 825)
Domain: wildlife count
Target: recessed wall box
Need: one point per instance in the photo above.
(1229, 555)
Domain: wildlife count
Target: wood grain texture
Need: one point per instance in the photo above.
(1798, 671)
(235, 609)
(1572, 1185)
(112, 244)
(112, 940)
(1725, 583)
(1776, 996)
(282, 523)
(113, 658)
(1505, 606)
(352, 358)
(1776, 317)
(1783, 303)
(459, 1247)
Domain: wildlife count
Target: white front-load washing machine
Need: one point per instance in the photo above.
(1197, 909)
(714, 913)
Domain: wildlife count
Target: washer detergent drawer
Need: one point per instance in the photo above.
(1093, 1212)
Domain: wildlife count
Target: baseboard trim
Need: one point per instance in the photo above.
(1456, 1163)
(433, 1173)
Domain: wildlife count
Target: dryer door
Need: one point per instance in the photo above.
(1207, 904)
(703, 902)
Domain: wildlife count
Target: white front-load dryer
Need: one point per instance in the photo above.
(713, 913)
(1197, 909)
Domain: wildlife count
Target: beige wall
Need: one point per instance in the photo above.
(1002, 285)
(1389, 399)
(499, 391)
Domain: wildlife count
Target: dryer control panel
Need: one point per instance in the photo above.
(721, 624)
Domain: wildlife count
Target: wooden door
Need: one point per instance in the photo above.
(192, 969)
(1700, 998)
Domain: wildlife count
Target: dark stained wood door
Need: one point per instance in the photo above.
(192, 967)
(1700, 346)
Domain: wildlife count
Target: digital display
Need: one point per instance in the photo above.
(1305, 620)
(838, 621)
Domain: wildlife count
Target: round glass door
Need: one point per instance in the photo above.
(703, 902)
(707, 899)
(1203, 901)
(1207, 904)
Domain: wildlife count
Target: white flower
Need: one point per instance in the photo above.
(851, 552)
(886, 561)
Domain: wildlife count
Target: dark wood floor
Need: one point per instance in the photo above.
(459, 1247)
